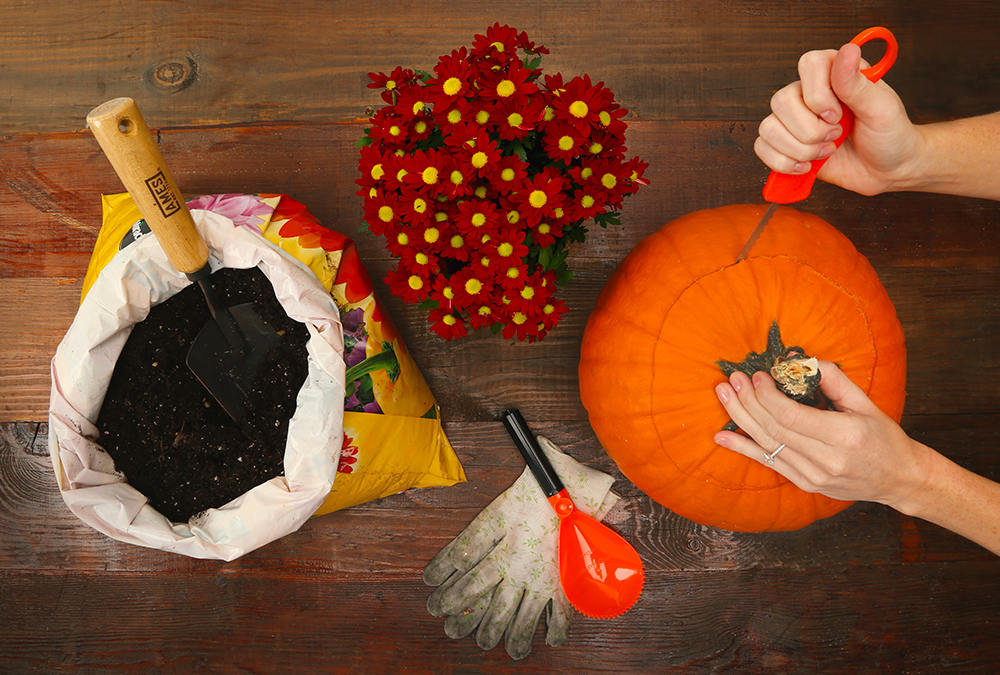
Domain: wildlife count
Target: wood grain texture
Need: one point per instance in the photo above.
(262, 96)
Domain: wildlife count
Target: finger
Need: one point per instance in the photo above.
(440, 567)
(557, 620)
(451, 598)
(461, 624)
(777, 161)
(522, 630)
(802, 124)
(817, 90)
(498, 616)
(739, 399)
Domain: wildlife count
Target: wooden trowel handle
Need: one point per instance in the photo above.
(123, 135)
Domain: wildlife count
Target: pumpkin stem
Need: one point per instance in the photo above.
(796, 373)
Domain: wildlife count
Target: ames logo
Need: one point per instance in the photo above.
(165, 198)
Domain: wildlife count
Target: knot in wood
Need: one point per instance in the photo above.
(173, 75)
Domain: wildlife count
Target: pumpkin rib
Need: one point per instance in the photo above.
(653, 420)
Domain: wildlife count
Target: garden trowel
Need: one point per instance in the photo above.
(230, 350)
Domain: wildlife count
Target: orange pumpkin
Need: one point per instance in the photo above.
(678, 305)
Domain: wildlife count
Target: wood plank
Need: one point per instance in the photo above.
(174, 59)
(225, 620)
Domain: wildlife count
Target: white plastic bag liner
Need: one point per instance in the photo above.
(136, 279)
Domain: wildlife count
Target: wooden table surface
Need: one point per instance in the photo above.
(267, 97)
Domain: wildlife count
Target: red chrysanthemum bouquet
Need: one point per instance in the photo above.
(478, 176)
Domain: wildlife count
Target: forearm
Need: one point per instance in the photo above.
(958, 500)
(960, 157)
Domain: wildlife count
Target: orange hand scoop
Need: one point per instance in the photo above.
(600, 572)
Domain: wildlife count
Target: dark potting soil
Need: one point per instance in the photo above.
(167, 434)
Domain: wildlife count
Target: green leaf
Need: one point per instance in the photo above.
(609, 218)
(428, 304)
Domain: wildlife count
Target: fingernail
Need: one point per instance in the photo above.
(826, 151)
(834, 134)
(802, 167)
(757, 379)
(724, 442)
(829, 116)
(736, 383)
(722, 393)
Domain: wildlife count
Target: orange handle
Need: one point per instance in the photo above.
(782, 188)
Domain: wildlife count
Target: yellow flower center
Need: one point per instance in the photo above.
(400, 174)
(421, 258)
(519, 318)
(505, 88)
(395, 130)
(390, 84)
(484, 262)
(378, 171)
(431, 235)
(473, 286)
(587, 201)
(566, 143)
(549, 308)
(420, 127)
(515, 119)
(609, 180)
(480, 191)
(402, 239)
(479, 219)
(456, 177)
(497, 46)
(452, 86)
(418, 106)
(586, 173)
(454, 116)
(483, 116)
(450, 294)
(513, 217)
(527, 292)
(440, 216)
(513, 272)
(484, 310)
(430, 175)
(456, 241)
(595, 148)
(505, 249)
(544, 228)
(479, 160)
(419, 205)
(604, 117)
(549, 113)
(538, 198)
(578, 109)
(448, 320)
(385, 214)
(373, 192)
(558, 213)
(507, 175)
(415, 282)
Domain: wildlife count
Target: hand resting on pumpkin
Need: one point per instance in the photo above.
(856, 452)
(885, 152)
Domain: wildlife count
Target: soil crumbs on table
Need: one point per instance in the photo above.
(166, 433)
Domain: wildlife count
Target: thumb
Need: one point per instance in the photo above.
(850, 86)
(841, 391)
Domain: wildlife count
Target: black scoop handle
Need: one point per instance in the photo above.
(527, 444)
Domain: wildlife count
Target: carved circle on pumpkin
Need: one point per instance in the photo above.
(677, 304)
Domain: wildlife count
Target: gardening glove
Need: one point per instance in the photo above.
(502, 572)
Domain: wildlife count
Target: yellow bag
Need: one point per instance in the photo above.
(393, 439)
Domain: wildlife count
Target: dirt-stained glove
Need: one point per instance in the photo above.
(502, 572)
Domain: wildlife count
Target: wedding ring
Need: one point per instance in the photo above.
(769, 459)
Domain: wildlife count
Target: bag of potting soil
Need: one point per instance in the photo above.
(393, 438)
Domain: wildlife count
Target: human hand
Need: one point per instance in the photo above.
(853, 452)
(502, 572)
(878, 154)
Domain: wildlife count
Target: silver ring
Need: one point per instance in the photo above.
(769, 459)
